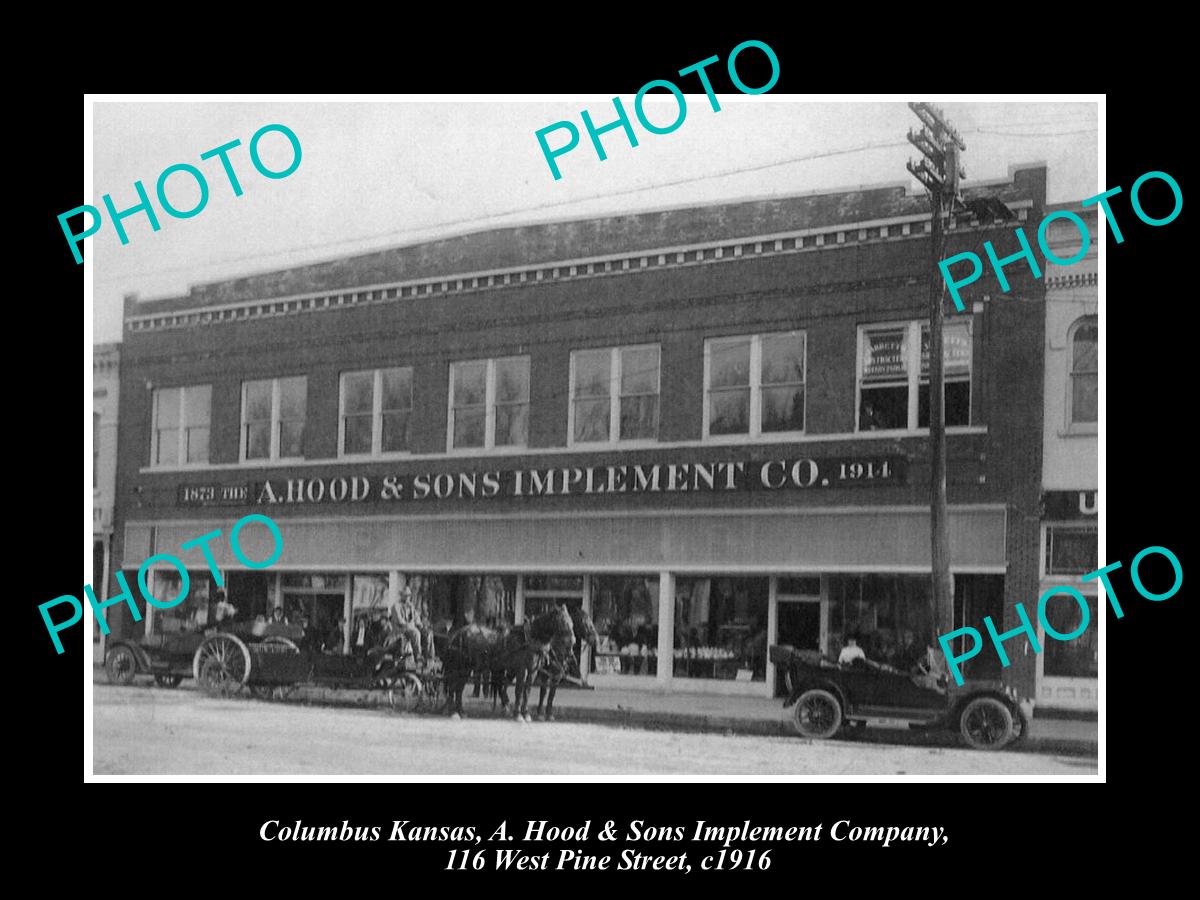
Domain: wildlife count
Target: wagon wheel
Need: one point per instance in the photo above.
(222, 665)
(986, 724)
(121, 665)
(168, 680)
(404, 693)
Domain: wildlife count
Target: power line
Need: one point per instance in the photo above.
(551, 205)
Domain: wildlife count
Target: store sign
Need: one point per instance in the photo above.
(885, 355)
(726, 476)
(1060, 505)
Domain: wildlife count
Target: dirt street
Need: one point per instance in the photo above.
(142, 730)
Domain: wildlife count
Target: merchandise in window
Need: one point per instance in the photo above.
(756, 384)
(625, 612)
(721, 628)
(614, 394)
(376, 409)
(273, 417)
(181, 425)
(489, 403)
(190, 615)
(887, 615)
(1085, 371)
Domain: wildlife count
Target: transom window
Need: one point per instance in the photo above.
(181, 425)
(614, 394)
(273, 415)
(893, 388)
(376, 412)
(1085, 370)
(489, 403)
(755, 384)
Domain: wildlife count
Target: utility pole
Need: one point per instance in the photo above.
(939, 172)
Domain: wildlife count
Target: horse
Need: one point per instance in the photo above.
(520, 651)
(561, 661)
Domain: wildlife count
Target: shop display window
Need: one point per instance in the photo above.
(625, 612)
(1076, 658)
(193, 614)
(888, 615)
(721, 628)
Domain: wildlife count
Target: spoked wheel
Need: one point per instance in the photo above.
(987, 724)
(168, 681)
(817, 714)
(222, 665)
(434, 696)
(121, 665)
(404, 693)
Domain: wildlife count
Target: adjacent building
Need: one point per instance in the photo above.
(1067, 670)
(106, 361)
(708, 426)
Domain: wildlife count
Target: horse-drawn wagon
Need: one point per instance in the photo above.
(269, 662)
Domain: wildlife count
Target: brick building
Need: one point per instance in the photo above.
(706, 425)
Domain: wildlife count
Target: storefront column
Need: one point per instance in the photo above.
(772, 627)
(666, 628)
(519, 601)
(347, 609)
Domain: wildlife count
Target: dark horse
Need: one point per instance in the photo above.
(517, 651)
(561, 661)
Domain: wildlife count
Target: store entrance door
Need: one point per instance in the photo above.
(799, 624)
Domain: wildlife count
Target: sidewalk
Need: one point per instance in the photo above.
(662, 711)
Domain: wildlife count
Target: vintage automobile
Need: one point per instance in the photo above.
(824, 696)
(264, 662)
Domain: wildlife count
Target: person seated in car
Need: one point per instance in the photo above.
(851, 651)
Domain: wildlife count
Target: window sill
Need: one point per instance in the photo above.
(461, 452)
(771, 437)
(374, 457)
(1079, 431)
(920, 432)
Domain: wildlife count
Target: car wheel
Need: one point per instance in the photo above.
(168, 681)
(986, 724)
(817, 714)
(121, 666)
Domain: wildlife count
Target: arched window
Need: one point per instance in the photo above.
(1084, 369)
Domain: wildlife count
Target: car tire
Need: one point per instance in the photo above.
(817, 714)
(986, 723)
(121, 665)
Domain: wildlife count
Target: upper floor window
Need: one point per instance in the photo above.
(893, 387)
(95, 450)
(754, 384)
(614, 394)
(273, 413)
(376, 409)
(1085, 335)
(489, 403)
(181, 425)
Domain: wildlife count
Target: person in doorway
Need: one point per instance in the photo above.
(851, 651)
(278, 617)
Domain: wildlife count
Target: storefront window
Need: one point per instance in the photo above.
(721, 628)
(887, 614)
(625, 612)
(1076, 658)
(193, 613)
(1071, 549)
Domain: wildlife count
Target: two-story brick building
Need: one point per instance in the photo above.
(706, 425)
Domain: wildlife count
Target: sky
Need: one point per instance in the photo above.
(385, 174)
